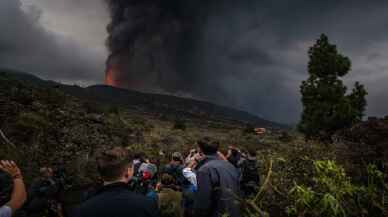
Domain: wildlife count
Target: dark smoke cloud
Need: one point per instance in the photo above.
(26, 45)
(187, 47)
(247, 54)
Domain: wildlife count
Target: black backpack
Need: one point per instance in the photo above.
(250, 173)
(177, 173)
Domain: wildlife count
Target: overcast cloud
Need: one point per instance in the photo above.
(54, 39)
(63, 40)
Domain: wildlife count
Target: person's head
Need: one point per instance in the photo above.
(115, 165)
(234, 151)
(176, 158)
(193, 151)
(139, 156)
(148, 170)
(252, 153)
(208, 146)
(167, 179)
(46, 172)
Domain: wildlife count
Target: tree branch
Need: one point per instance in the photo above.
(6, 140)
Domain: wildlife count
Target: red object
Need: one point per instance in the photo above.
(146, 175)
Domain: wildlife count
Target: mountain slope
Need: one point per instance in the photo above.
(162, 105)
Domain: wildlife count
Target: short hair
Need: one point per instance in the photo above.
(139, 155)
(252, 151)
(235, 152)
(46, 171)
(111, 164)
(167, 179)
(177, 156)
(208, 146)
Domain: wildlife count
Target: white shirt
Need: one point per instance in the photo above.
(5, 211)
(190, 175)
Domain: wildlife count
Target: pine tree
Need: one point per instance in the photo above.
(326, 107)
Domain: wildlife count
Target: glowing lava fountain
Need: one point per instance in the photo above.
(110, 76)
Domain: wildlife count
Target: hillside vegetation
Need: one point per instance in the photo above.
(165, 106)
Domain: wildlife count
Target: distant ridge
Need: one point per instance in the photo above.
(146, 102)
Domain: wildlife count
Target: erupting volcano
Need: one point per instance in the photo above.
(113, 71)
(118, 75)
(170, 46)
(152, 43)
(198, 48)
(110, 77)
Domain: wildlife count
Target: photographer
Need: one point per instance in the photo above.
(250, 173)
(234, 156)
(43, 194)
(191, 186)
(19, 195)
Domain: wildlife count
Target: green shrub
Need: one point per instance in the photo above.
(31, 121)
(249, 129)
(53, 97)
(180, 125)
(333, 195)
(94, 107)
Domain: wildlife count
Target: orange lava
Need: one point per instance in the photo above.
(110, 78)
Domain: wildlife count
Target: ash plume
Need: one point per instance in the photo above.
(246, 54)
(164, 46)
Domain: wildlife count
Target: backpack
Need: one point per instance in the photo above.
(250, 177)
(177, 173)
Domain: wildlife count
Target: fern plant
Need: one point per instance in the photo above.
(332, 193)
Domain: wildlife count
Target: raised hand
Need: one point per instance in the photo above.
(11, 168)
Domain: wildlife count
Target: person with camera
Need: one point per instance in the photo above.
(175, 168)
(19, 195)
(191, 179)
(184, 179)
(250, 173)
(234, 156)
(115, 198)
(248, 168)
(43, 195)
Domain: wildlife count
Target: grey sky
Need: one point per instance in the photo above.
(61, 40)
(64, 40)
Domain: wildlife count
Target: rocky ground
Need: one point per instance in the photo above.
(45, 126)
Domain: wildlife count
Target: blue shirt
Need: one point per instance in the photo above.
(5, 211)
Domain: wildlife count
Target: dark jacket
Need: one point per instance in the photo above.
(42, 198)
(218, 189)
(116, 200)
(170, 202)
(176, 171)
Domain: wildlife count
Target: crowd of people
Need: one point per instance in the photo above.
(205, 183)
